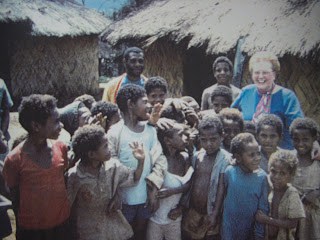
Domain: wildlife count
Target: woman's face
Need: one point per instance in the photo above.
(263, 76)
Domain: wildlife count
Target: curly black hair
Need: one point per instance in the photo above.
(222, 91)
(169, 111)
(129, 92)
(249, 126)
(285, 157)
(223, 60)
(87, 138)
(232, 114)
(208, 122)
(36, 108)
(305, 123)
(106, 108)
(156, 82)
(130, 50)
(239, 142)
(270, 120)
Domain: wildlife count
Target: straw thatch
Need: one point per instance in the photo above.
(289, 28)
(52, 47)
(62, 67)
(53, 18)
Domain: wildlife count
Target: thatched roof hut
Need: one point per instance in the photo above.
(182, 38)
(49, 47)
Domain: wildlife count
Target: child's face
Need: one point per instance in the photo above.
(157, 95)
(51, 129)
(102, 153)
(231, 129)
(279, 176)
(210, 140)
(219, 102)
(268, 138)
(140, 108)
(250, 157)
(179, 140)
(223, 73)
(302, 141)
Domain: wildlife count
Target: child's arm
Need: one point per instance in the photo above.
(138, 153)
(212, 218)
(167, 192)
(311, 196)
(263, 205)
(281, 223)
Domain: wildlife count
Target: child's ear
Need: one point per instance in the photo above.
(35, 126)
(167, 140)
(91, 154)
(237, 156)
(129, 103)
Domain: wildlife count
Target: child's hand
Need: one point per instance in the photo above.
(175, 213)
(115, 203)
(155, 113)
(98, 119)
(137, 151)
(165, 123)
(261, 217)
(165, 192)
(191, 116)
(315, 153)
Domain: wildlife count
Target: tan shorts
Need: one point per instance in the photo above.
(171, 231)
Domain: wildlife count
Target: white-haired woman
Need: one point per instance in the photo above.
(265, 96)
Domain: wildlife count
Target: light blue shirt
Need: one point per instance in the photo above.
(126, 81)
(148, 137)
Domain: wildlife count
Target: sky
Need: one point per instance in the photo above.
(108, 6)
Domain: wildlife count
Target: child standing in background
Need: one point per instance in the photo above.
(307, 179)
(286, 206)
(221, 97)
(93, 182)
(201, 220)
(233, 123)
(246, 191)
(166, 221)
(34, 170)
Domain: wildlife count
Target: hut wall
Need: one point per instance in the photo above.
(63, 67)
(165, 59)
(302, 75)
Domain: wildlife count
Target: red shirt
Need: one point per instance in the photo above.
(43, 195)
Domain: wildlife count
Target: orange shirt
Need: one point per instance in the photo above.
(43, 196)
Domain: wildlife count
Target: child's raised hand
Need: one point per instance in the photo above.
(155, 113)
(98, 119)
(137, 151)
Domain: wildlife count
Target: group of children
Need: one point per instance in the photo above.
(162, 169)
